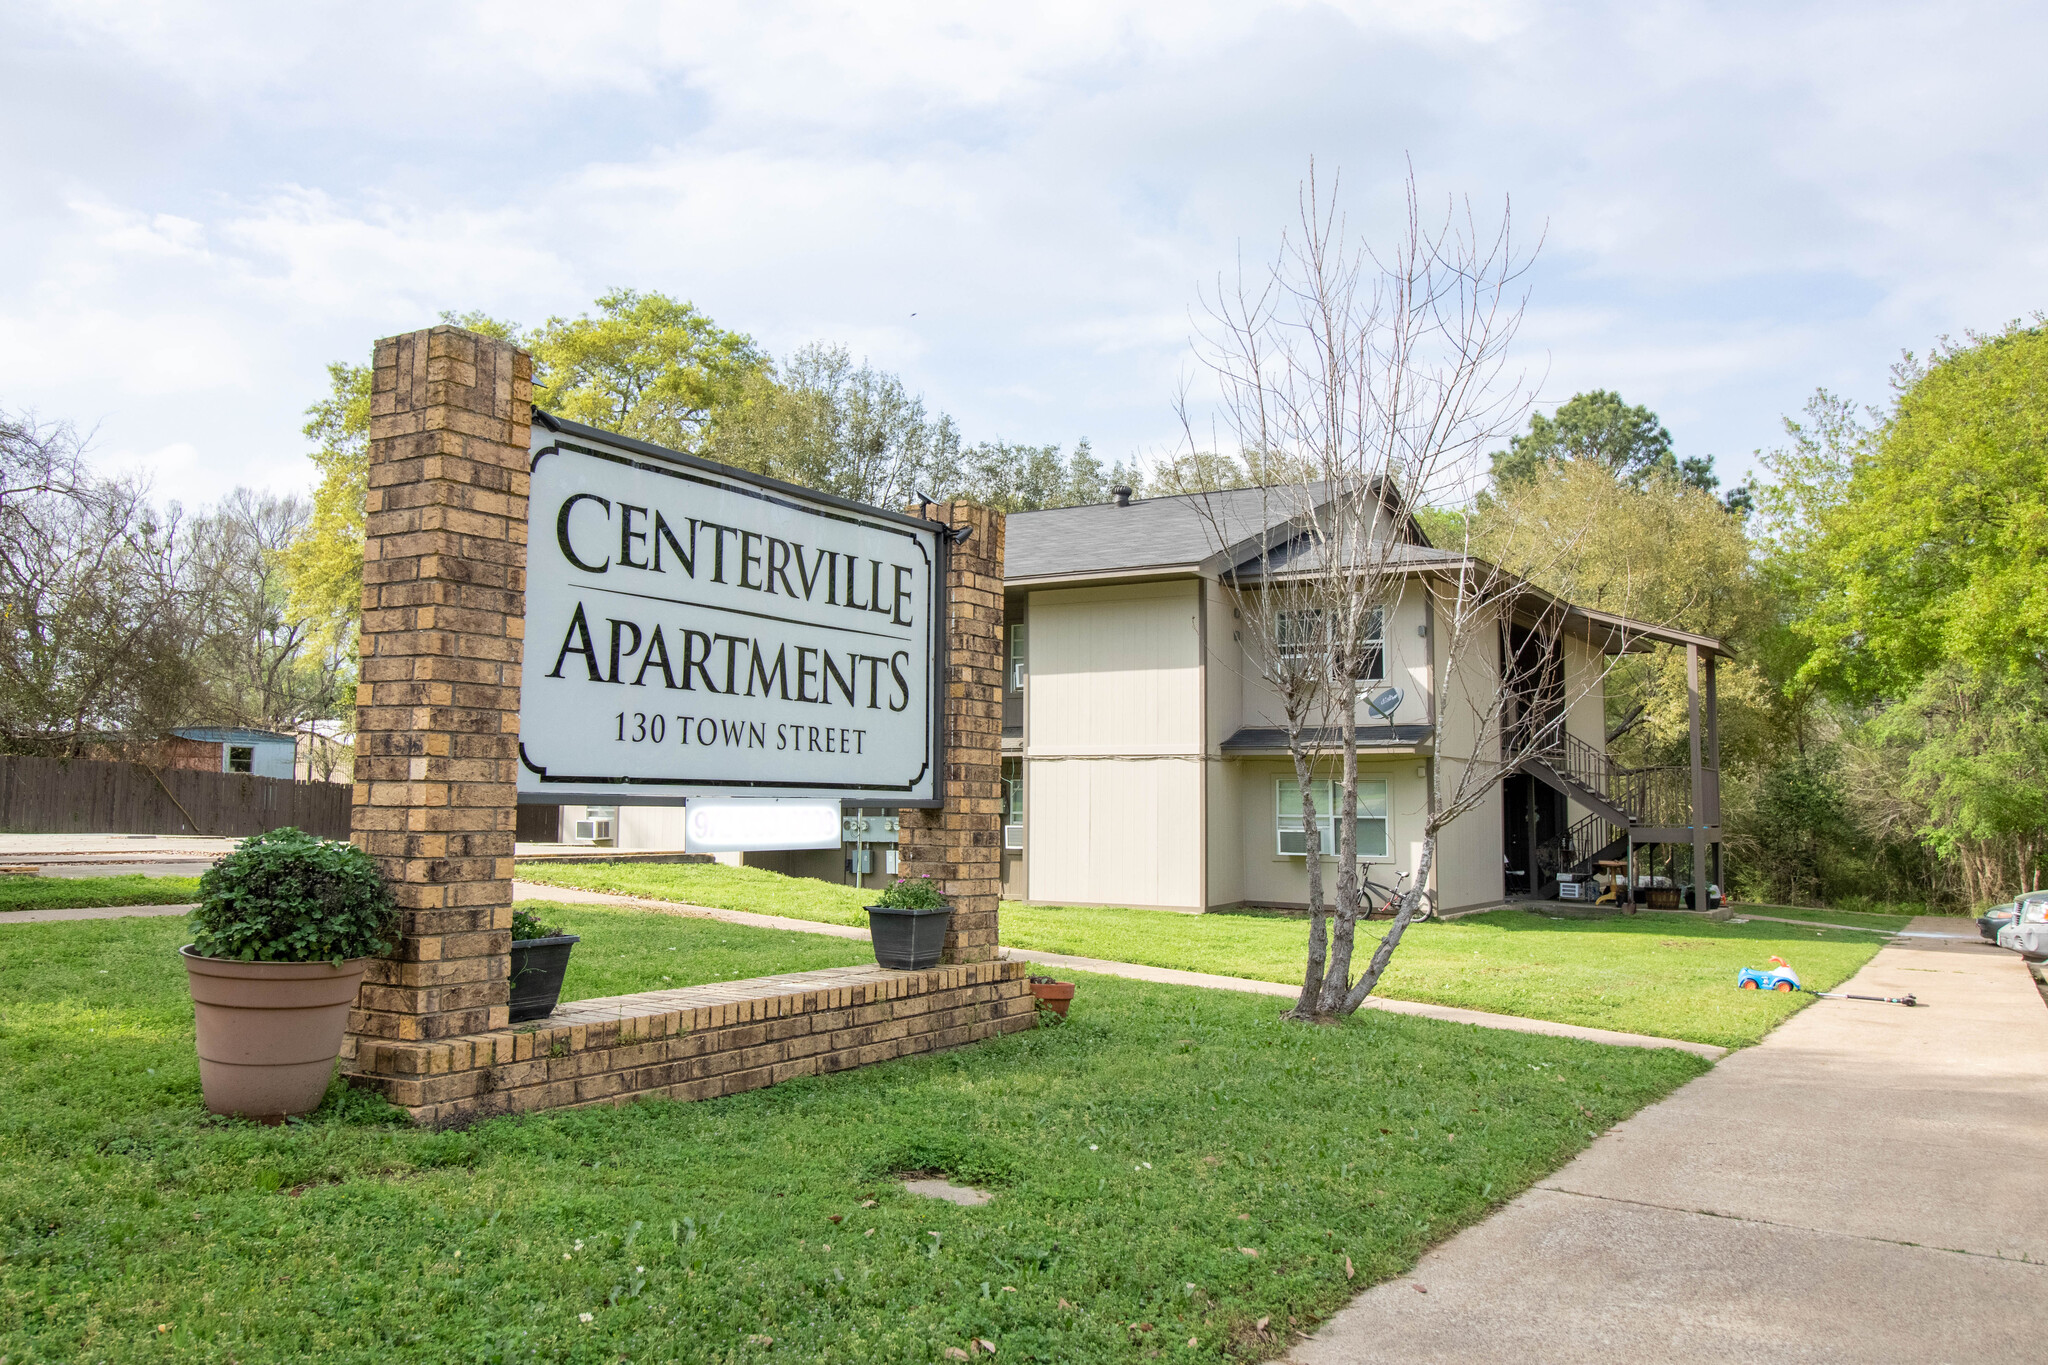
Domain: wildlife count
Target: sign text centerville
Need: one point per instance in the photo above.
(692, 628)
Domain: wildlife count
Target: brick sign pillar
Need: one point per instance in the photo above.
(437, 707)
(960, 845)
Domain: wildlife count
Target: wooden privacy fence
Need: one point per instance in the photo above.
(83, 796)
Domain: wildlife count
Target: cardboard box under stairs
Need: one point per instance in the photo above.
(695, 1042)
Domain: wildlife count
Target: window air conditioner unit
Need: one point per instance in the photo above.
(1013, 836)
(591, 831)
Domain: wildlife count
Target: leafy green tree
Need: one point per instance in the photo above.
(324, 562)
(1197, 471)
(1925, 541)
(825, 423)
(646, 365)
(1794, 837)
(1599, 428)
(1660, 551)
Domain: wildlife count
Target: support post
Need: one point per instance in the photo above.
(437, 704)
(1713, 762)
(960, 844)
(1697, 822)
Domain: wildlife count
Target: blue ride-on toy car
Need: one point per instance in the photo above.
(1779, 976)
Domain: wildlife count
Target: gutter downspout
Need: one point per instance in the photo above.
(1202, 739)
(1435, 746)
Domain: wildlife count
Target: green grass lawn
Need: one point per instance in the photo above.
(1863, 918)
(627, 951)
(66, 893)
(1672, 976)
(713, 884)
(1140, 1154)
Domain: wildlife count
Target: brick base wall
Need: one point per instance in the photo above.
(695, 1043)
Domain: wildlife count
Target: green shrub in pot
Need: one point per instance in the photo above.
(908, 924)
(540, 962)
(284, 931)
(289, 896)
(913, 893)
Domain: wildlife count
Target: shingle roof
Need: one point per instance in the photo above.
(1146, 534)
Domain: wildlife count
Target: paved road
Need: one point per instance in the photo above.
(1870, 1183)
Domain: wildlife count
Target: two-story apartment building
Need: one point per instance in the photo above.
(1144, 761)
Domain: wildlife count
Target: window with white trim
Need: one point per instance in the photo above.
(1374, 833)
(1372, 659)
(1303, 635)
(1299, 634)
(1013, 803)
(1017, 657)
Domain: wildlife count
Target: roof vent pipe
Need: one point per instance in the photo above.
(1122, 494)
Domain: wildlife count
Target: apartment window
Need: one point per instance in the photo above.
(1013, 803)
(1291, 841)
(241, 758)
(1017, 657)
(1299, 633)
(1372, 660)
(1302, 635)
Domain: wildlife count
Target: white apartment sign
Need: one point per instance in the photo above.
(693, 629)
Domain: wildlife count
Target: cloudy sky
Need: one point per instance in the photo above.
(1014, 208)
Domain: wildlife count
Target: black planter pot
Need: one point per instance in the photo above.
(538, 966)
(908, 940)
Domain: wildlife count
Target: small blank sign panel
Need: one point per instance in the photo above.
(715, 824)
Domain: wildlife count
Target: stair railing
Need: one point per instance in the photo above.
(1649, 796)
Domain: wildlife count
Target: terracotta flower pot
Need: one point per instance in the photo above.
(268, 1032)
(1054, 995)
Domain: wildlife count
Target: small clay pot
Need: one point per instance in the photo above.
(1054, 995)
(268, 1032)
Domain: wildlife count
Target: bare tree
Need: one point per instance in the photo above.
(260, 662)
(1371, 383)
(92, 639)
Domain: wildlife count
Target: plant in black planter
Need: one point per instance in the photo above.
(540, 959)
(908, 925)
(285, 928)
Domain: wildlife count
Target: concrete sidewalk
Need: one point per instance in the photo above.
(1870, 1183)
(93, 912)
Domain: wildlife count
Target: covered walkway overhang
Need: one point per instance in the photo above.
(1400, 741)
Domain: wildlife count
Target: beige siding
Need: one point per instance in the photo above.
(1470, 853)
(1272, 878)
(1114, 732)
(1407, 667)
(1114, 670)
(1224, 684)
(1114, 831)
(1226, 849)
(1586, 699)
(1469, 869)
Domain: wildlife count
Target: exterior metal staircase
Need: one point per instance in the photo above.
(1648, 805)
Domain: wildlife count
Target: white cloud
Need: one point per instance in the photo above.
(1741, 200)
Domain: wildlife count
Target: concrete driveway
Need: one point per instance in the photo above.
(1870, 1183)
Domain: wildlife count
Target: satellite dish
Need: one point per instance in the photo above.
(1385, 703)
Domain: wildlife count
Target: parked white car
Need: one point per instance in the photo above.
(2027, 935)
